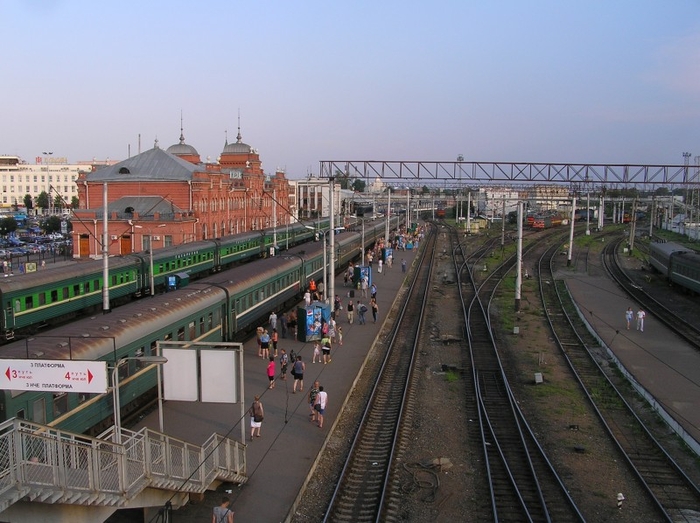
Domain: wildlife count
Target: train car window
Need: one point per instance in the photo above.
(54, 296)
(42, 298)
(154, 348)
(28, 302)
(114, 279)
(210, 321)
(76, 290)
(139, 364)
(83, 397)
(201, 325)
(181, 334)
(20, 414)
(168, 337)
(60, 403)
(193, 330)
(65, 293)
(18, 306)
(39, 411)
(96, 284)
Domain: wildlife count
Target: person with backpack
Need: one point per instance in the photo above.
(256, 413)
(298, 373)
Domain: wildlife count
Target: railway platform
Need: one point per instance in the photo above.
(662, 364)
(281, 459)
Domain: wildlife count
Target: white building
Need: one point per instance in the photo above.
(54, 176)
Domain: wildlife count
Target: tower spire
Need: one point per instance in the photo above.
(239, 138)
(182, 136)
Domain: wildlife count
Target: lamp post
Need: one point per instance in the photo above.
(325, 261)
(154, 360)
(46, 161)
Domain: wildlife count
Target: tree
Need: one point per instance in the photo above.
(8, 225)
(28, 201)
(51, 224)
(42, 201)
(74, 202)
(358, 185)
(58, 202)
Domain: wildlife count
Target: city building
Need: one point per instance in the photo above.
(50, 174)
(169, 197)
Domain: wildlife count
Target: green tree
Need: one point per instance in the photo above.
(8, 225)
(42, 201)
(74, 202)
(358, 185)
(58, 202)
(28, 201)
(51, 224)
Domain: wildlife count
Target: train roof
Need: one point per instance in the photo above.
(97, 337)
(50, 274)
(667, 248)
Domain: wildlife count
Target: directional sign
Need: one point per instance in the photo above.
(54, 375)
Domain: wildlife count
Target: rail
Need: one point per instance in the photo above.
(44, 464)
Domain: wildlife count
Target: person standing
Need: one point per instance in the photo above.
(379, 266)
(351, 312)
(257, 414)
(222, 513)
(271, 372)
(373, 292)
(317, 352)
(629, 314)
(299, 369)
(320, 289)
(375, 309)
(403, 265)
(273, 320)
(265, 344)
(283, 324)
(274, 339)
(364, 286)
(292, 322)
(640, 319)
(313, 394)
(326, 349)
(284, 361)
(307, 298)
(320, 405)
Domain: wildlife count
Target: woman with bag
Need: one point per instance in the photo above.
(256, 413)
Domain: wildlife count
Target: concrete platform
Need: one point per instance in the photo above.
(663, 364)
(279, 461)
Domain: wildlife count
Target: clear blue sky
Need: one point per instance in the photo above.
(538, 81)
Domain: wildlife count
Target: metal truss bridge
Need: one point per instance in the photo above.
(458, 174)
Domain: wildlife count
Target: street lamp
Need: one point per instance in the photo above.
(325, 261)
(153, 360)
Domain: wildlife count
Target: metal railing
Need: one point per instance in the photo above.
(48, 465)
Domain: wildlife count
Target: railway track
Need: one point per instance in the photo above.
(523, 483)
(688, 331)
(674, 495)
(364, 491)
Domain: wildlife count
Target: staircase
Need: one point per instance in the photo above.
(45, 465)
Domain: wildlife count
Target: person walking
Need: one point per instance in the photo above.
(313, 394)
(361, 310)
(222, 513)
(373, 292)
(273, 320)
(364, 286)
(320, 405)
(284, 362)
(271, 372)
(299, 369)
(629, 314)
(375, 309)
(317, 352)
(403, 265)
(257, 414)
(640, 319)
(307, 298)
(292, 322)
(351, 312)
(340, 336)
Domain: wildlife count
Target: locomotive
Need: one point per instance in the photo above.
(677, 263)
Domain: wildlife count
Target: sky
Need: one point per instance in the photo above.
(580, 81)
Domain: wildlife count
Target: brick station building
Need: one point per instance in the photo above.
(169, 197)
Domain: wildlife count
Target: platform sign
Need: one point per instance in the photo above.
(54, 376)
